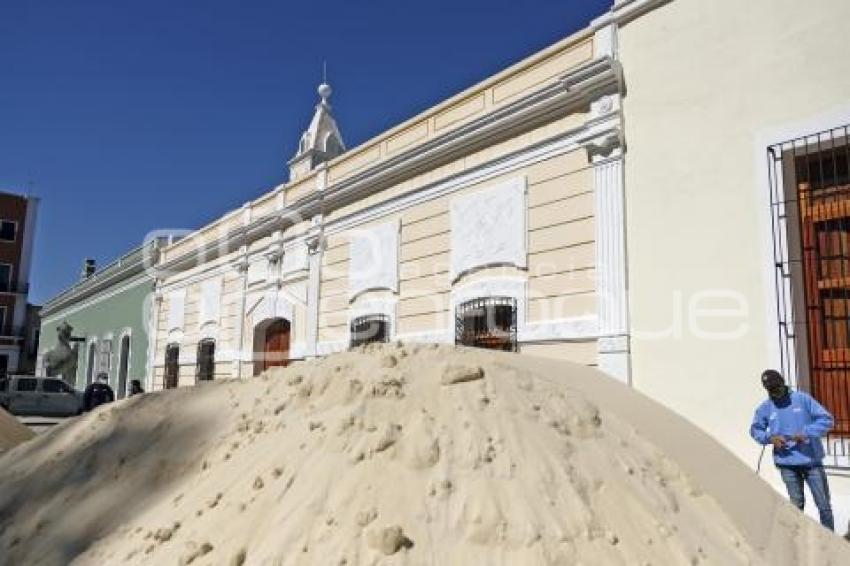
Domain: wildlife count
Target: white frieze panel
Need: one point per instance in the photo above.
(295, 259)
(210, 301)
(258, 271)
(176, 309)
(373, 259)
(488, 228)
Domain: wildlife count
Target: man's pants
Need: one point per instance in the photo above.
(815, 476)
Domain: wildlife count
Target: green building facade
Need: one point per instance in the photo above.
(109, 311)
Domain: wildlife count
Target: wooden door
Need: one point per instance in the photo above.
(172, 366)
(825, 220)
(276, 350)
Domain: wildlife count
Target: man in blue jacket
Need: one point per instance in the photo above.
(794, 423)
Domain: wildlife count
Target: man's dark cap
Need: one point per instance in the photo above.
(769, 375)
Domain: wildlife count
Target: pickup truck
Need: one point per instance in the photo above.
(43, 396)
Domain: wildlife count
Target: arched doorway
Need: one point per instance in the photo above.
(205, 366)
(271, 344)
(172, 366)
(123, 366)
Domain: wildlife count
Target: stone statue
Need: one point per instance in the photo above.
(61, 360)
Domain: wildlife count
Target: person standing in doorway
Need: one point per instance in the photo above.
(794, 424)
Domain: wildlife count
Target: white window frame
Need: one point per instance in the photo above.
(15, 234)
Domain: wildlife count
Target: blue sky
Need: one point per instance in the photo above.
(126, 117)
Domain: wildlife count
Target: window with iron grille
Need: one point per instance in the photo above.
(487, 323)
(369, 329)
(810, 206)
(205, 369)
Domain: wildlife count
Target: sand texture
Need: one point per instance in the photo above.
(389, 455)
(12, 432)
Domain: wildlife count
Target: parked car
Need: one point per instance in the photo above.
(28, 395)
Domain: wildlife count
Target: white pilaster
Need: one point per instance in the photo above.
(315, 251)
(153, 329)
(241, 265)
(613, 345)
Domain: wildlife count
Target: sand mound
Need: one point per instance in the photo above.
(390, 455)
(12, 432)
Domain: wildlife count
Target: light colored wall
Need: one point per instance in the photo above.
(707, 83)
(561, 247)
(102, 315)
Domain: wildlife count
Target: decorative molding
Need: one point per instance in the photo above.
(605, 41)
(373, 258)
(246, 214)
(611, 247)
(328, 347)
(294, 259)
(210, 269)
(613, 344)
(575, 89)
(209, 330)
(559, 145)
(322, 177)
(270, 306)
(624, 11)
(430, 336)
(210, 307)
(176, 309)
(385, 306)
(611, 266)
(574, 328)
(175, 336)
(489, 228)
(297, 350)
(258, 271)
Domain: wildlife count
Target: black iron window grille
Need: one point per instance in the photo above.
(487, 323)
(810, 213)
(369, 329)
(205, 368)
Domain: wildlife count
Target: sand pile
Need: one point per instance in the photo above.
(395, 455)
(12, 432)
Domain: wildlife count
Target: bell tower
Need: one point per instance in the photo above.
(320, 142)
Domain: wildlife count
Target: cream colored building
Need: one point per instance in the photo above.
(509, 193)
(721, 98)
(606, 201)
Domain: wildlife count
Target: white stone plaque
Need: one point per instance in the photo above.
(488, 228)
(373, 259)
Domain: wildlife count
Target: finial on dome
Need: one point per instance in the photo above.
(325, 91)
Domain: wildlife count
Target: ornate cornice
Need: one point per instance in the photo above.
(575, 89)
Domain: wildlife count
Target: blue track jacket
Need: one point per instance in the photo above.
(796, 413)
